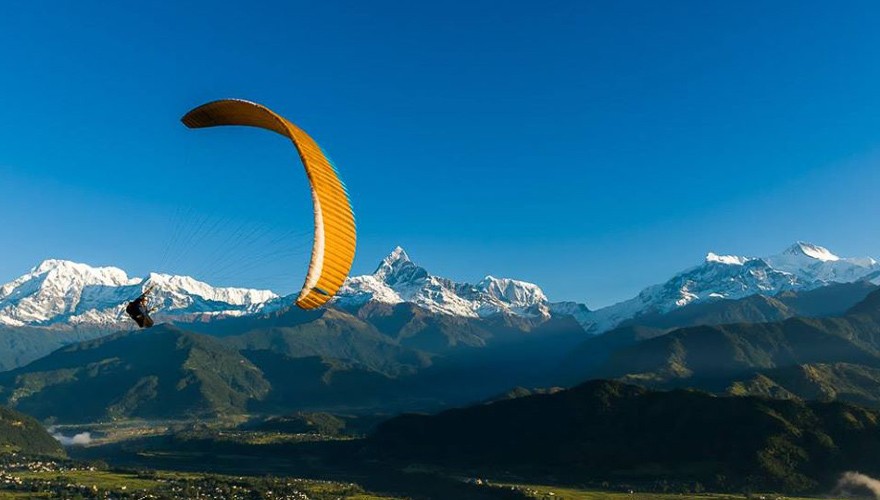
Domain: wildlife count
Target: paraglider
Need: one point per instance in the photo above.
(335, 236)
(139, 309)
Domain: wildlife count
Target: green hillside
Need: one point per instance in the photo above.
(22, 433)
(159, 372)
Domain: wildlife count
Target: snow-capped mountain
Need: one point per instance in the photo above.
(398, 279)
(59, 292)
(64, 292)
(803, 266)
(813, 264)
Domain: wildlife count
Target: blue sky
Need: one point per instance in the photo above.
(591, 147)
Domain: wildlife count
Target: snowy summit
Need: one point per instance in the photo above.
(63, 292)
(398, 279)
(802, 266)
(59, 292)
(801, 249)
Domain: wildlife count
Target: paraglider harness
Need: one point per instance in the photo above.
(138, 310)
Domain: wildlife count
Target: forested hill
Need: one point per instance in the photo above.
(609, 431)
(23, 434)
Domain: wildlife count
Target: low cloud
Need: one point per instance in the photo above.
(857, 485)
(83, 438)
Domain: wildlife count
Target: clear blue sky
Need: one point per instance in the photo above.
(591, 147)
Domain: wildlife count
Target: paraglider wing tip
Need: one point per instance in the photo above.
(196, 118)
(203, 116)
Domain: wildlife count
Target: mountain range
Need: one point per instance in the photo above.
(802, 266)
(60, 293)
(825, 357)
(389, 358)
(63, 293)
(398, 279)
(380, 357)
(774, 350)
(59, 302)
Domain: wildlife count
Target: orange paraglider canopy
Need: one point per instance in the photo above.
(335, 235)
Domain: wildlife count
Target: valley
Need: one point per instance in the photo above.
(391, 390)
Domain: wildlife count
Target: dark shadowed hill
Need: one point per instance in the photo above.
(608, 431)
